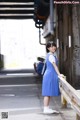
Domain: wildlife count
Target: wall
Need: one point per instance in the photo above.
(76, 44)
(69, 56)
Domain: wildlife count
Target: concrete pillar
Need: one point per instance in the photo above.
(76, 44)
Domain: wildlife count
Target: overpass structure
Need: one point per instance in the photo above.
(60, 23)
(25, 9)
(20, 9)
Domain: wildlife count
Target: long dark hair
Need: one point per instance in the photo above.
(49, 44)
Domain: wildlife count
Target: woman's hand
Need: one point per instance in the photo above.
(61, 75)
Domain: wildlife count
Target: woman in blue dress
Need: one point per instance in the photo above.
(50, 83)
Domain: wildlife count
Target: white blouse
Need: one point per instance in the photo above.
(52, 58)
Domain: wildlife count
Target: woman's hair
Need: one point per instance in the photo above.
(49, 44)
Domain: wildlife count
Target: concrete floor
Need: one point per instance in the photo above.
(24, 102)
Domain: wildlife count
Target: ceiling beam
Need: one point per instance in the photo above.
(17, 0)
(16, 17)
(16, 9)
(16, 3)
(5, 9)
(17, 6)
(16, 12)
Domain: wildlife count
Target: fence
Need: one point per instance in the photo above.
(70, 95)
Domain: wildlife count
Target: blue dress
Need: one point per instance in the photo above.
(50, 83)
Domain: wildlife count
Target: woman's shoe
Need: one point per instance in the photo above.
(50, 111)
(55, 111)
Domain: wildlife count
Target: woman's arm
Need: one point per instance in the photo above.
(56, 68)
(52, 60)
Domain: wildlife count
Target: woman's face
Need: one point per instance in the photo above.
(52, 49)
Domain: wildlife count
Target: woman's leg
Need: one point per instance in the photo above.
(46, 106)
(46, 101)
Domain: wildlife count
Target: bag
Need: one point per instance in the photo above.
(41, 68)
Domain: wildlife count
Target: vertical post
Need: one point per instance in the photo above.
(63, 100)
(70, 45)
(51, 16)
(77, 117)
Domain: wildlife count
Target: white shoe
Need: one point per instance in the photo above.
(49, 111)
(55, 111)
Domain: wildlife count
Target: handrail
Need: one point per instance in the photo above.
(70, 95)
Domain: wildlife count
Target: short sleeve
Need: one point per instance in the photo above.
(52, 59)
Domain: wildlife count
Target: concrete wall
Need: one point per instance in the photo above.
(68, 20)
(76, 44)
(69, 25)
(64, 31)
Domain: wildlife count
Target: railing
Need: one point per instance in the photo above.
(70, 95)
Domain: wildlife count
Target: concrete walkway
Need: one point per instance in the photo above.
(36, 114)
(65, 115)
(24, 102)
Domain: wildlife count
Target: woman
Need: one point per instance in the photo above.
(50, 84)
